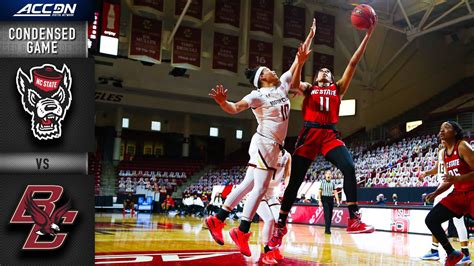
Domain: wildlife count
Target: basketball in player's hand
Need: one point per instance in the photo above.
(363, 17)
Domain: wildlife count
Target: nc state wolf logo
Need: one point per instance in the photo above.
(46, 96)
(44, 216)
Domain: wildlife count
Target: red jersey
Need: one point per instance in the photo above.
(169, 202)
(321, 105)
(456, 166)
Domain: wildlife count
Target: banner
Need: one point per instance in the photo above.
(226, 52)
(385, 219)
(294, 19)
(325, 28)
(261, 16)
(187, 48)
(194, 10)
(111, 19)
(260, 54)
(228, 12)
(153, 5)
(145, 39)
(314, 215)
(321, 60)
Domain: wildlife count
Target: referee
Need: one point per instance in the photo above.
(326, 199)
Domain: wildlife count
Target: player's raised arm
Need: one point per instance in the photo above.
(301, 57)
(433, 171)
(307, 44)
(219, 94)
(343, 83)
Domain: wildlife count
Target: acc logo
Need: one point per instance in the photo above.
(44, 216)
(46, 96)
(47, 10)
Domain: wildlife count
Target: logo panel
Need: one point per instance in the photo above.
(47, 10)
(46, 96)
(45, 217)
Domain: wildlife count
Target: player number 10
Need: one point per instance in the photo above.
(284, 111)
(321, 104)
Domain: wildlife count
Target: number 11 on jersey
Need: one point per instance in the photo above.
(321, 104)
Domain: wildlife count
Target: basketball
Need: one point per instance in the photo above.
(363, 16)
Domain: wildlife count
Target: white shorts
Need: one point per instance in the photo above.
(264, 153)
(269, 208)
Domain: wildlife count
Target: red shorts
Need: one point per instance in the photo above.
(460, 203)
(314, 141)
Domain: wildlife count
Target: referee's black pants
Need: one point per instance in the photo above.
(328, 206)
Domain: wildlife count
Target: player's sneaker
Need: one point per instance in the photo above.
(466, 260)
(277, 237)
(356, 226)
(215, 227)
(431, 256)
(268, 258)
(241, 239)
(453, 258)
(277, 255)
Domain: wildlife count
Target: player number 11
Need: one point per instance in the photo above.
(321, 104)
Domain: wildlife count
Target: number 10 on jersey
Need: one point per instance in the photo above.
(285, 111)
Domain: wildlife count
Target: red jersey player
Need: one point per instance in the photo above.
(459, 164)
(319, 136)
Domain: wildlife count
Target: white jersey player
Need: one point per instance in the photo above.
(461, 229)
(271, 107)
(270, 205)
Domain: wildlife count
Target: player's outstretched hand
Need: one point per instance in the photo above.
(430, 197)
(422, 176)
(219, 94)
(303, 54)
(312, 29)
(374, 24)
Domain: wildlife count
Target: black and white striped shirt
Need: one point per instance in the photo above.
(327, 188)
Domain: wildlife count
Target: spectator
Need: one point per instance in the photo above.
(197, 206)
(303, 199)
(395, 198)
(216, 204)
(128, 204)
(168, 204)
(380, 199)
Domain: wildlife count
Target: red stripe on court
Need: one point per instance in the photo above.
(184, 258)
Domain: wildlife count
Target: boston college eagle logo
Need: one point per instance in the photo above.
(46, 96)
(44, 216)
(48, 225)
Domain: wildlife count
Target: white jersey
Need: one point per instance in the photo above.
(441, 166)
(271, 108)
(274, 187)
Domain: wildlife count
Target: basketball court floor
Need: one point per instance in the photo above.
(152, 239)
